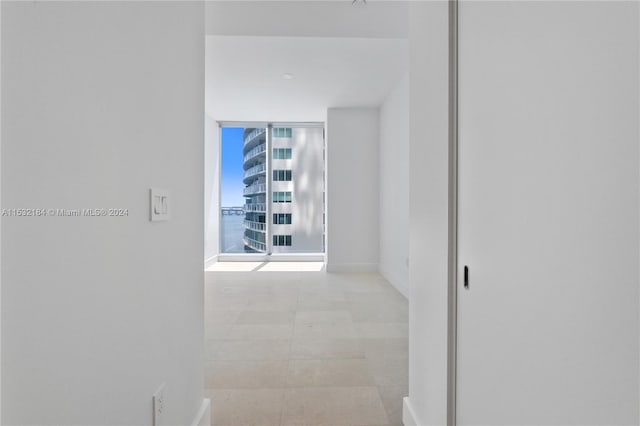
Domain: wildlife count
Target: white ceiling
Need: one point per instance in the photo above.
(341, 55)
(244, 75)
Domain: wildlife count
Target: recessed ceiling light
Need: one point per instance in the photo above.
(287, 76)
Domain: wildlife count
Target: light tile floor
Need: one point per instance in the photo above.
(305, 348)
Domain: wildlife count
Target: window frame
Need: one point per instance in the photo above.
(285, 130)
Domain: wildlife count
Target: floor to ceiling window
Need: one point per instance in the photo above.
(272, 188)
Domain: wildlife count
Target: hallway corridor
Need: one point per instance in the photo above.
(305, 348)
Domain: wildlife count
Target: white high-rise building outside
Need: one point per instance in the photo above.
(284, 189)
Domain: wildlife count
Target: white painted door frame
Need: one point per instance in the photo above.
(452, 267)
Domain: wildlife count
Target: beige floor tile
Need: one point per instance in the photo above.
(386, 348)
(297, 348)
(392, 401)
(329, 372)
(322, 304)
(389, 371)
(333, 406)
(225, 287)
(386, 306)
(363, 285)
(218, 322)
(374, 312)
(323, 317)
(245, 374)
(273, 302)
(221, 301)
(390, 424)
(324, 330)
(217, 331)
(211, 348)
(252, 287)
(385, 293)
(220, 316)
(326, 348)
(266, 317)
(323, 290)
(323, 324)
(256, 349)
(260, 331)
(380, 330)
(322, 299)
(246, 407)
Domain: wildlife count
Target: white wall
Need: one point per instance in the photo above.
(102, 101)
(352, 189)
(315, 18)
(394, 187)
(428, 147)
(211, 189)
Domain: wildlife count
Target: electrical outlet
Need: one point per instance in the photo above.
(158, 406)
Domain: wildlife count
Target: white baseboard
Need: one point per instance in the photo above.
(409, 417)
(203, 417)
(352, 267)
(400, 285)
(210, 261)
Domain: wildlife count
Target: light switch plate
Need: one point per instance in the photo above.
(159, 208)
